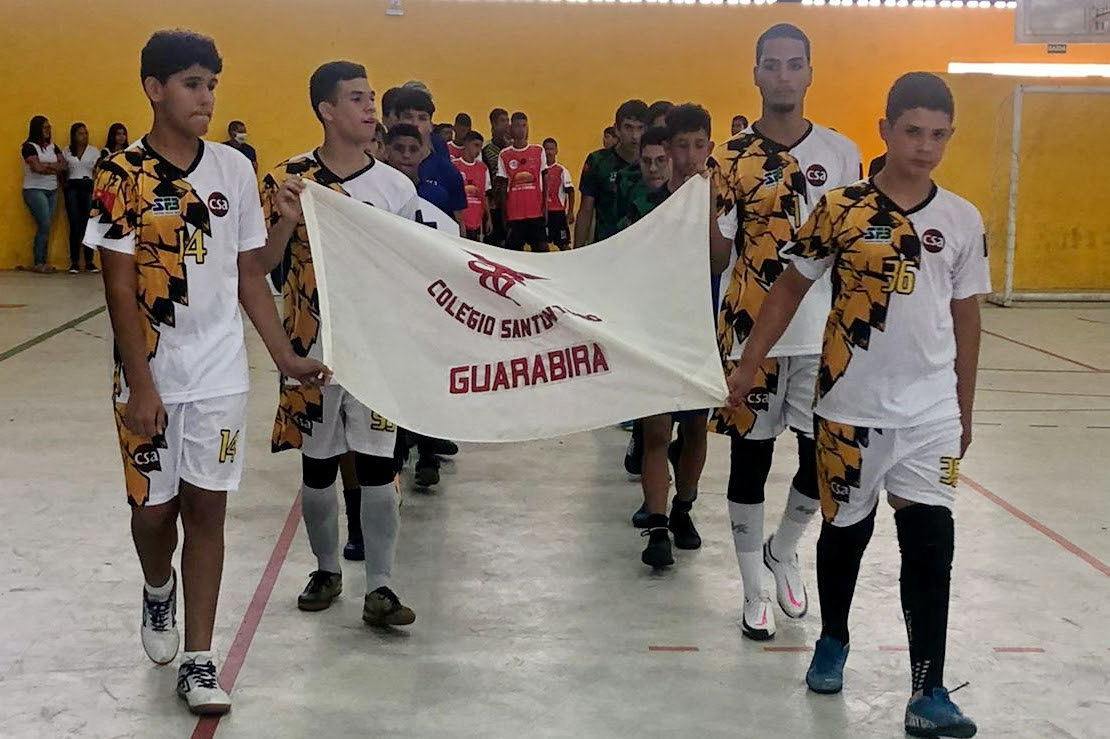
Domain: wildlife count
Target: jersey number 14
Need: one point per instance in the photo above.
(191, 245)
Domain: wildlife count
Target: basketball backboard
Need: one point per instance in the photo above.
(1063, 21)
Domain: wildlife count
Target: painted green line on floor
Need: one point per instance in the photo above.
(36, 340)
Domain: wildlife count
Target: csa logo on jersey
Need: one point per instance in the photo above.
(817, 175)
(933, 241)
(218, 205)
(878, 235)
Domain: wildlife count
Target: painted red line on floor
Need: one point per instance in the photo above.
(894, 649)
(1042, 351)
(1019, 650)
(237, 654)
(1017, 513)
(658, 648)
(787, 649)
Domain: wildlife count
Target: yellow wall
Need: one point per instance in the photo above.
(566, 65)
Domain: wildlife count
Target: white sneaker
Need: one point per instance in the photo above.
(197, 684)
(789, 586)
(759, 618)
(160, 636)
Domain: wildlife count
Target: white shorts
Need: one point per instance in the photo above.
(199, 446)
(780, 398)
(855, 465)
(348, 426)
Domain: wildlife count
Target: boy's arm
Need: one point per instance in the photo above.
(584, 220)
(778, 309)
(966, 322)
(258, 303)
(144, 415)
(281, 206)
(570, 205)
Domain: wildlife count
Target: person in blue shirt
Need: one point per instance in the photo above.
(439, 182)
(237, 139)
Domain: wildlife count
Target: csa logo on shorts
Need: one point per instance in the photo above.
(840, 492)
(817, 175)
(146, 459)
(932, 240)
(758, 400)
(218, 205)
(497, 278)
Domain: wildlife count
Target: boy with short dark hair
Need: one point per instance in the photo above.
(520, 176)
(491, 153)
(459, 131)
(896, 384)
(769, 178)
(657, 113)
(439, 184)
(598, 184)
(560, 197)
(669, 157)
(327, 424)
(476, 181)
(178, 225)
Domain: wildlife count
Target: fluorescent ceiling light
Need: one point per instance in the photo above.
(1030, 69)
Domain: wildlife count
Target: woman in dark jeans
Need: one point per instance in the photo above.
(42, 164)
(117, 140)
(80, 159)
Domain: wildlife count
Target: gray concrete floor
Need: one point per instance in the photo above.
(535, 616)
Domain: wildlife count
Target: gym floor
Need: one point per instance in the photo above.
(535, 617)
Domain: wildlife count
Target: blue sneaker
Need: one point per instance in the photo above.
(933, 713)
(826, 671)
(640, 517)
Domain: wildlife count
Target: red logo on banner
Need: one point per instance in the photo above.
(498, 278)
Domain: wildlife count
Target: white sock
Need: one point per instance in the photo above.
(205, 656)
(799, 512)
(381, 524)
(320, 509)
(162, 592)
(747, 536)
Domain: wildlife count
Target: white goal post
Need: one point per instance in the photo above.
(1009, 295)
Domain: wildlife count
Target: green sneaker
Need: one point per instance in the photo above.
(383, 608)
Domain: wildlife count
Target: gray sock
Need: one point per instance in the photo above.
(320, 509)
(747, 537)
(381, 523)
(797, 515)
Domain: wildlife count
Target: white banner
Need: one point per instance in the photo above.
(460, 340)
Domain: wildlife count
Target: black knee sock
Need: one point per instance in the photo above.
(926, 536)
(352, 500)
(839, 551)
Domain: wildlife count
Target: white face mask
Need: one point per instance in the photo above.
(241, 138)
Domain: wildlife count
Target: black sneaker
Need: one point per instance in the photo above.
(444, 448)
(427, 471)
(657, 554)
(74, 269)
(92, 268)
(682, 526)
(640, 517)
(383, 608)
(323, 588)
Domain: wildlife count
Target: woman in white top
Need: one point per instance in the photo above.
(42, 164)
(80, 161)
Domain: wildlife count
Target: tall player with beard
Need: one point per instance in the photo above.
(771, 175)
(179, 229)
(896, 386)
(326, 424)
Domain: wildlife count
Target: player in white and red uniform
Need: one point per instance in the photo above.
(560, 197)
(520, 175)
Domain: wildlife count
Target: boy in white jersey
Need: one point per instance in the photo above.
(896, 384)
(326, 424)
(770, 176)
(178, 226)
